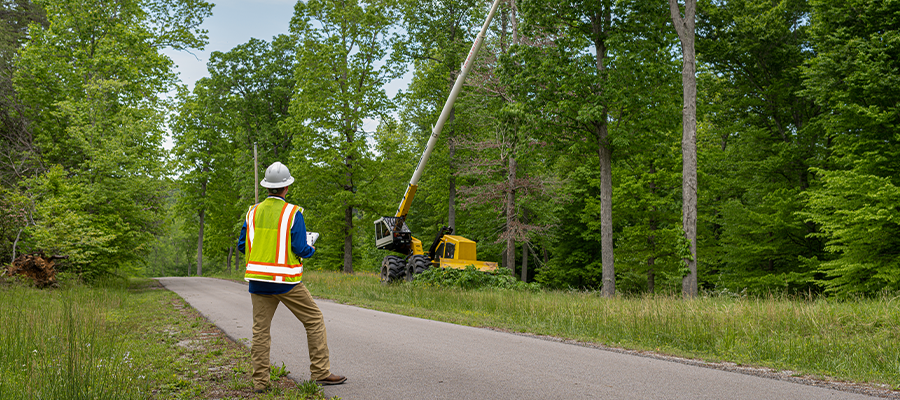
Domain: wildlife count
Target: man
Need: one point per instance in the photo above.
(275, 271)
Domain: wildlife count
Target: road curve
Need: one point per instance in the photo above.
(388, 356)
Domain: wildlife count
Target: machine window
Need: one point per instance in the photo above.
(448, 253)
(381, 230)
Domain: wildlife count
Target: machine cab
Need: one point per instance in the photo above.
(389, 237)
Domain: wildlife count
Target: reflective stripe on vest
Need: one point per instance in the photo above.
(250, 227)
(269, 255)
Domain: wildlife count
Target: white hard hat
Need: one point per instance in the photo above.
(277, 176)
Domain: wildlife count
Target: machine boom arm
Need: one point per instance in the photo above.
(403, 209)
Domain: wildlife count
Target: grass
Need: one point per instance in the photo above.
(119, 341)
(855, 341)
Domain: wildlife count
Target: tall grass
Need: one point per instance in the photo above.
(65, 344)
(119, 340)
(852, 340)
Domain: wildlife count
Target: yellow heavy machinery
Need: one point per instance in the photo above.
(391, 233)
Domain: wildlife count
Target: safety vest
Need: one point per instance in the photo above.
(269, 255)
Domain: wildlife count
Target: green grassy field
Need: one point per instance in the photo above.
(856, 341)
(120, 341)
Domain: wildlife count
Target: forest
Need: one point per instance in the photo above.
(563, 157)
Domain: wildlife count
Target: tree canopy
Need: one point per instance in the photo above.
(567, 155)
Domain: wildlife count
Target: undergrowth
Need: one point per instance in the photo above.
(471, 278)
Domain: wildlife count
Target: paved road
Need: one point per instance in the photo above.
(387, 356)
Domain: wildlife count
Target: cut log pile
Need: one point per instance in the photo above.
(37, 267)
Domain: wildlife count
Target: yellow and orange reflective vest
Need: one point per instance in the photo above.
(269, 255)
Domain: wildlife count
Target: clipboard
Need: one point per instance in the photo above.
(311, 238)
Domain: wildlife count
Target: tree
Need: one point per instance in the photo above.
(580, 104)
(647, 189)
(854, 75)
(256, 81)
(242, 102)
(577, 88)
(89, 83)
(499, 136)
(173, 249)
(684, 25)
(342, 68)
(761, 137)
(438, 39)
(439, 34)
(510, 125)
(19, 156)
(198, 143)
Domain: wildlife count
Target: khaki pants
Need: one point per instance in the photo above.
(300, 302)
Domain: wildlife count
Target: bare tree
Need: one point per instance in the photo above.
(505, 147)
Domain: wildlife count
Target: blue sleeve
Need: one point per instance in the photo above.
(298, 238)
(242, 239)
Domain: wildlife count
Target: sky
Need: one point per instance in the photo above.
(234, 22)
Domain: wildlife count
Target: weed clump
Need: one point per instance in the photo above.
(471, 278)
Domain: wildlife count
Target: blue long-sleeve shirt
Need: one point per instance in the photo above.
(298, 246)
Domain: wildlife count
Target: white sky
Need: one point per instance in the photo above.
(234, 22)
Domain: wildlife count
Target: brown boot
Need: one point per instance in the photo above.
(332, 380)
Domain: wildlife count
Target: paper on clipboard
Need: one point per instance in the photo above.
(311, 238)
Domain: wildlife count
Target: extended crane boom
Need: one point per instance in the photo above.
(391, 233)
(403, 209)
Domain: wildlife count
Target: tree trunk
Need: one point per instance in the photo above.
(514, 12)
(451, 198)
(524, 261)
(200, 242)
(511, 217)
(16, 243)
(600, 25)
(228, 262)
(157, 262)
(651, 238)
(504, 20)
(606, 234)
(238, 262)
(526, 247)
(348, 212)
(452, 66)
(685, 28)
(348, 240)
(237, 254)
